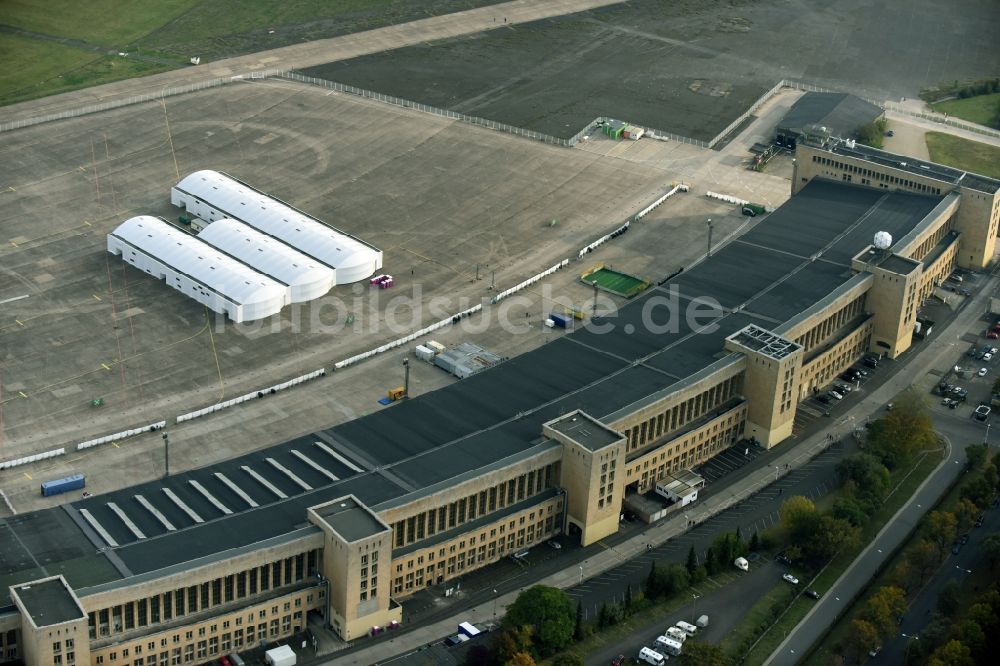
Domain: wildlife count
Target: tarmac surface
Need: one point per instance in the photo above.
(80, 326)
(688, 67)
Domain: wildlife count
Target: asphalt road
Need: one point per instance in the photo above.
(950, 342)
(955, 567)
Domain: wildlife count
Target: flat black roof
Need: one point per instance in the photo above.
(898, 264)
(945, 174)
(842, 114)
(351, 520)
(791, 259)
(49, 602)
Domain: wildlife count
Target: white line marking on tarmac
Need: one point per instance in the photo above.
(16, 298)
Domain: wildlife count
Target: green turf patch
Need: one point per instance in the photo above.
(615, 282)
(981, 109)
(109, 23)
(35, 69)
(980, 158)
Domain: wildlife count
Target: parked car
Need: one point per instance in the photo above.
(982, 372)
(988, 356)
(790, 578)
(825, 399)
(860, 372)
(992, 335)
(844, 388)
(835, 395)
(781, 557)
(813, 594)
(980, 519)
(554, 544)
(947, 402)
(618, 661)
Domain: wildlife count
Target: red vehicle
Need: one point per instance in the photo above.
(618, 661)
(224, 660)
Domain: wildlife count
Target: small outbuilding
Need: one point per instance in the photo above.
(828, 114)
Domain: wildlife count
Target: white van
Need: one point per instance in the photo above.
(676, 634)
(668, 645)
(687, 628)
(741, 564)
(651, 657)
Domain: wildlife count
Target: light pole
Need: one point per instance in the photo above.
(581, 574)
(986, 435)
(963, 569)
(166, 455)
(494, 606)
(710, 237)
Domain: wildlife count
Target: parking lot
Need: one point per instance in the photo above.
(825, 403)
(730, 460)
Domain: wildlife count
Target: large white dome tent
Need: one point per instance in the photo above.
(306, 277)
(212, 195)
(196, 269)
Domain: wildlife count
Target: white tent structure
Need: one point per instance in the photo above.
(196, 269)
(306, 278)
(212, 196)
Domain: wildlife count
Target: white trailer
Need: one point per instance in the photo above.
(280, 656)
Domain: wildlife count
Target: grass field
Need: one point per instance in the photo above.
(615, 282)
(954, 151)
(61, 45)
(982, 109)
(35, 69)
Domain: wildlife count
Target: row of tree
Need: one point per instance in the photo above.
(947, 640)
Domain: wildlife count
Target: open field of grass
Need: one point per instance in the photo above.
(57, 41)
(981, 109)
(35, 69)
(110, 23)
(960, 153)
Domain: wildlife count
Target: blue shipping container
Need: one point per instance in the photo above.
(560, 320)
(75, 482)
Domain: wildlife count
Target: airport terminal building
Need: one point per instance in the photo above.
(349, 521)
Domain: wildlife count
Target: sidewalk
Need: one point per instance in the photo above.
(312, 53)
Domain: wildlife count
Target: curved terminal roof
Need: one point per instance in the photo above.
(199, 261)
(306, 277)
(352, 258)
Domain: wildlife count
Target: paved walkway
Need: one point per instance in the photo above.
(313, 53)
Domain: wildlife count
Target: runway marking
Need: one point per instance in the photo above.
(28, 476)
(16, 298)
(97, 297)
(105, 366)
(23, 394)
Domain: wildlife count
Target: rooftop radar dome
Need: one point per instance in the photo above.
(883, 240)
